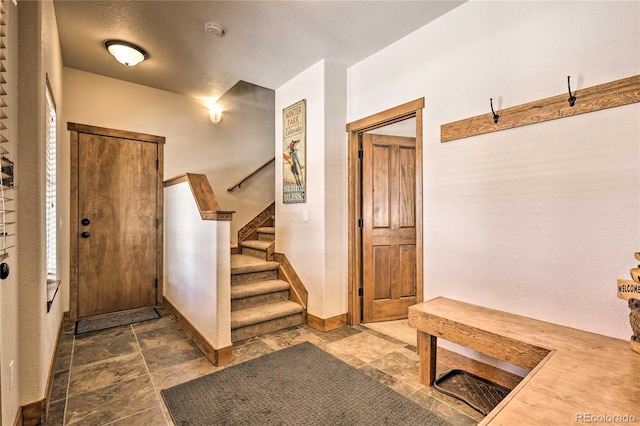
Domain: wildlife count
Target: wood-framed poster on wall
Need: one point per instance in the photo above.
(294, 153)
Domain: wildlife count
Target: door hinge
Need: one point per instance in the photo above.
(156, 283)
(157, 223)
(360, 223)
(360, 153)
(157, 164)
(361, 291)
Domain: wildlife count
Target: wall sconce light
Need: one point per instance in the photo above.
(215, 114)
(126, 53)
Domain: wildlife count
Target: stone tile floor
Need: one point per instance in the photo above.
(114, 377)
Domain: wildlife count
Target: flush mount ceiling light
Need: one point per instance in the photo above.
(126, 53)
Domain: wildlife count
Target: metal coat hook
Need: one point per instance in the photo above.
(495, 116)
(572, 99)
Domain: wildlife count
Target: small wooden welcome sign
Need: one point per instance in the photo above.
(630, 290)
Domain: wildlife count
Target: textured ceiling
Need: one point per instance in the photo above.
(265, 42)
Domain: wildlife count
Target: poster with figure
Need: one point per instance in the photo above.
(294, 135)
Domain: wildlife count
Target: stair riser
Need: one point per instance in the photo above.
(265, 327)
(254, 276)
(260, 254)
(266, 237)
(263, 299)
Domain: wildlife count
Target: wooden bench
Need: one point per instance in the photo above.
(576, 376)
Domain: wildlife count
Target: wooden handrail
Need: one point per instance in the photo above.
(250, 175)
(203, 194)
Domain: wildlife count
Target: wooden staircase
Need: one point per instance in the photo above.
(260, 299)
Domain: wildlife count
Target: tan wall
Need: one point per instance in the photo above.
(9, 320)
(39, 55)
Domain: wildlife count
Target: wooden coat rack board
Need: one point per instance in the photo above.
(595, 98)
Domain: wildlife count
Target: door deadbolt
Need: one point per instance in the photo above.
(85, 235)
(85, 221)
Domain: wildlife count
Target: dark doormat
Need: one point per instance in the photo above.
(481, 394)
(115, 320)
(299, 385)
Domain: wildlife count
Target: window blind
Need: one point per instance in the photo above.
(6, 165)
(51, 216)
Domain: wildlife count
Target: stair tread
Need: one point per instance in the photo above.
(267, 230)
(256, 244)
(262, 313)
(242, 264)
(257, 288)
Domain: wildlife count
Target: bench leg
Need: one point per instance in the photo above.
(427, 346)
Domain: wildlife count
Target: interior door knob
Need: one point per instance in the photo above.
(85, 234)
(85, 221)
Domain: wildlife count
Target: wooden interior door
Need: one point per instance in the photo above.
(117, 238)
(389, 226)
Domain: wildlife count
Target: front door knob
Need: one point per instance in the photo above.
(85, 234)
(85, 221)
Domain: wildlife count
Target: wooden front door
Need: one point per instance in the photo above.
(389, 226)
(118, 203)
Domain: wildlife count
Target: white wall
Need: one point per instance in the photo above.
(197, 266)
(317, 248)
(226, 152)
(303, 242)
(539, 220)
(39, 55)
(336, 189)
